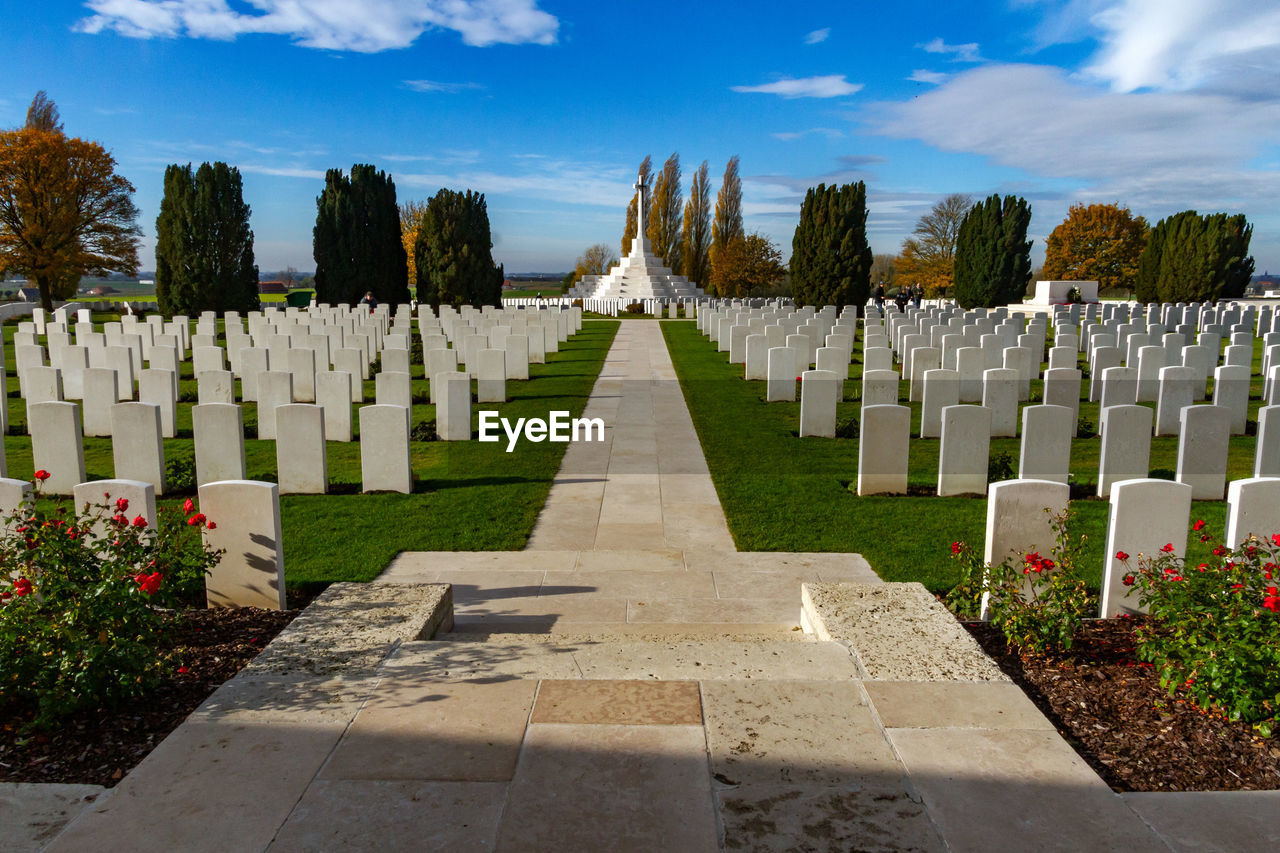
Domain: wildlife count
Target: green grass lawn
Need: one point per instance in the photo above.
(469, 495)
(784, 493)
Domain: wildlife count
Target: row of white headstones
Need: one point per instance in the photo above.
(493, 345)
(1017, 522)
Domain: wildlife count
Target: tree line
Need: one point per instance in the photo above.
(65, 213)
(978, 253)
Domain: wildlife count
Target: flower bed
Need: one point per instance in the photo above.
(1184, 697)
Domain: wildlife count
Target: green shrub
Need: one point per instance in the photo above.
(80, 624)
(180, 474)
(1000, 467)
(1214, 628)
(635, 308)
(424, 431)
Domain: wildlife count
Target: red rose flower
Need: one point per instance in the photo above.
(957, 547)
(150, 584)
(42, 475)
(196, 520)
(188, 505)
(211, 526)
(182, 670)
(1272, 601)
(22, 587)
(1127, 580)
(1167, 548)
(139, 521)
(1121, 556)
(122, 504)
(120, 519)
(1199, 525)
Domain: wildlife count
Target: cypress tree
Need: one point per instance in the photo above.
(1194, 258)
(357, 241)
(453, 252)
(204, 245)
(830, 257)
(993, 254)
(175, 283)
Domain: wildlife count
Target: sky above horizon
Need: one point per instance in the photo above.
(548, 106)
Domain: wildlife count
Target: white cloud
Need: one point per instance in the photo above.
(1181, 44)
(818, 36)
(1145, 149)
(923, 75)
(437, 86)
(829, 86)
(282, 171)
(959, 52)
(364, 26)
(791, 136)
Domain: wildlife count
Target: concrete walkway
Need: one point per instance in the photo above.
(630, 682)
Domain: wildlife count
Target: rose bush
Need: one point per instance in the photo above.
(1214, 627)
(81, 598)
(1038, 602)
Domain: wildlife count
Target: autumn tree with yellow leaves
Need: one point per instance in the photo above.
(64, 212)
(411, 213)
(1096, 242)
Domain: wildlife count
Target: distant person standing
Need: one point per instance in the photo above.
(370, 301)
(917, 293)
(880, 295)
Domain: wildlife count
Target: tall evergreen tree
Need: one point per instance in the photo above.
(695, 235)
(993, 254)
(830, 257)
(453, 252)
(357, 240)
(629, 230)
(204, 245)
(727, 224)
(664, 214)
(175, 242)
(1196, 258)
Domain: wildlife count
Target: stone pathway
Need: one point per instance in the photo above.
(630, 682)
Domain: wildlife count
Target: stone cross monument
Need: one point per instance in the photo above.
(642, 204)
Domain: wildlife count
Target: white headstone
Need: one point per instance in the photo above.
(453, 407)
(1126, 445)
(883, 449)
(384, 447)
(247, 518)
(1045, 452)
(1202, 451)
(57, 445)
(1020, 521)
(964, 450)
(818, 398)
(1146, 517)
(302, 466)
(219, 442)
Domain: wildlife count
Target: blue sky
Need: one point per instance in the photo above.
(548, 106)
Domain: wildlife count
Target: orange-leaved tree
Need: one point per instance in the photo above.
(746, 265)
(1096, 242)
(64, 212)
(410, 217)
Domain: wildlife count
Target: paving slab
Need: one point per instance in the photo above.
(1212, 821)
(990, 789)
(605, 787)
(32, 814)
(718, 658)
(377, 815)
(458, 731)
(950, 704)
(614, 702)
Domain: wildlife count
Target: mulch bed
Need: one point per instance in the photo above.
(99, 747)
(1111, 708)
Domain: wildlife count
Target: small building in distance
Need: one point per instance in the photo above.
(28, 294)
(272, 287)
